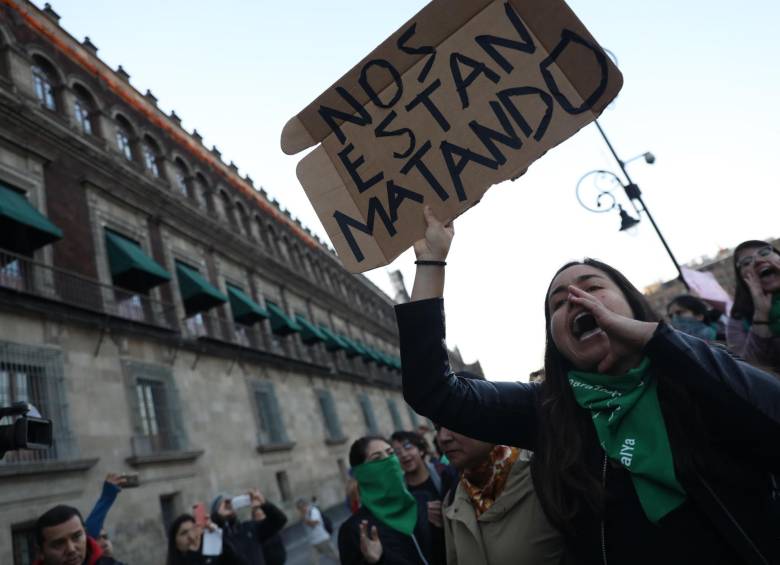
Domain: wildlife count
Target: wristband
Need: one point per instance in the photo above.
(436, 263)
(761, 322)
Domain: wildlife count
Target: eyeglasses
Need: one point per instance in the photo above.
(405, 446)
(747, 260)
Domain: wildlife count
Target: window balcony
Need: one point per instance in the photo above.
(24, 275)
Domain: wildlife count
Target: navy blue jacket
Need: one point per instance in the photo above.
(727, 517)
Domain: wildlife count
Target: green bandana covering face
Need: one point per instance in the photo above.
(383, 491)
(631, 429)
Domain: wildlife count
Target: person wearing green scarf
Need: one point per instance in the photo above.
(753, 332)
(631, 429)
(714, 424)
(389, 527)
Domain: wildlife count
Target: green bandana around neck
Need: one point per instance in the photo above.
(383, 491)
(631, 430)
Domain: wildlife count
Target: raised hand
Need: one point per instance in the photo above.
(627, 337)
(256, 498)
(116, 479)
(438, 238)
(762, 301)
(370, 547)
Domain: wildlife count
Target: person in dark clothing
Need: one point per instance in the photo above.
(273, 548)
(390, 526)
(62, 540)
(247, 537)
(427, 483)
(650, 446)
(185, 545)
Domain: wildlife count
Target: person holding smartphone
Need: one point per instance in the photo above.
(247, 537)
(112, 486)
(186, 543)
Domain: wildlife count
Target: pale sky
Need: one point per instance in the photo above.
(702, 85)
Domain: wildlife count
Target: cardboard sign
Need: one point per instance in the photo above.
(465, 95)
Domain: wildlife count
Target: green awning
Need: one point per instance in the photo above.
(386, 361)
(196, 292)
(131, 268)
(363, 351)
(332, 341)
(23, 229)
(245, 310)
(309, 332)
(375, 355)
(281, 323)
(352, 348)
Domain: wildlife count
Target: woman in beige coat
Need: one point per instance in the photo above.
(493, 517)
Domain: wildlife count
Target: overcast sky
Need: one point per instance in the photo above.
(702, 85)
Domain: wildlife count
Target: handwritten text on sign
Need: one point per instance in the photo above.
(440, 120)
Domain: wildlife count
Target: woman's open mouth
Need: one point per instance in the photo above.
(584, 326)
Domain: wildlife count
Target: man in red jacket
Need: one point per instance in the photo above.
(62, 540)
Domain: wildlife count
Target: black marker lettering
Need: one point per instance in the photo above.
(396, 195)
(489, 136)
(352, 169)
(424, 97)
(416, 162)
(399, 85)
(490, 42)
(334, 117)
(477, 68)
(505, 96)
(567, 37)
(423, 50)
(382, 131)
(347, 224)
(466, 156)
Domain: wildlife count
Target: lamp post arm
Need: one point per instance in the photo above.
(638, 197)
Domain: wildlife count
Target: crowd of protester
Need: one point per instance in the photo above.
(647, 441)
(63, 537)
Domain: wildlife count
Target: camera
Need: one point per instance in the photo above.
(26, 432)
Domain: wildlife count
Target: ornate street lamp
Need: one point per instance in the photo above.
(605, 182)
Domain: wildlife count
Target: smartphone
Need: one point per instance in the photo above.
(199, 513)
(130, 480)
(240, 501)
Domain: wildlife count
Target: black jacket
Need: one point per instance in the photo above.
(397, 548)
(247, 537)
(727, 515)
(274, 551)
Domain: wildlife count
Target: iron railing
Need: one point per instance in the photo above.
(27, 276)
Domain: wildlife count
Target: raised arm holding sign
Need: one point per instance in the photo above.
(465, 95)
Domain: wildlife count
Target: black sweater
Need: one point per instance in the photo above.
(727, 516)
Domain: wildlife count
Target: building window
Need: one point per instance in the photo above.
(196, 325)
(24, 544)
(83, 108)
(151, 155)
(395, 415)
(158, 423)
(270, 425)
(43, 82)
(124, 137)
(170, 507)
(35, 375)
(368, 414)
(181, 177)
(330, 416)
(11, 274)
(283, 482)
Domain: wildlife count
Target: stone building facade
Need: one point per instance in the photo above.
(170, 318)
